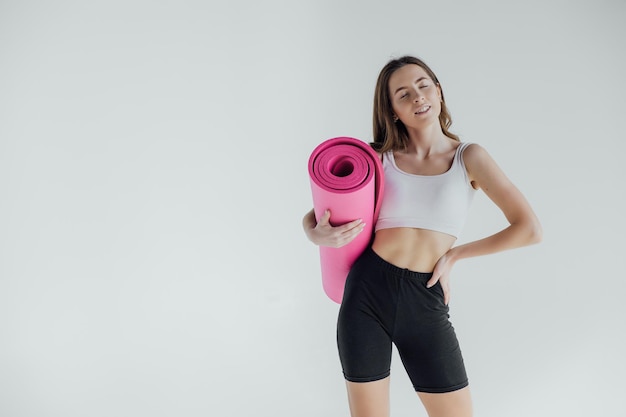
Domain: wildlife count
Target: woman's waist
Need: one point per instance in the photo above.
(413, 249)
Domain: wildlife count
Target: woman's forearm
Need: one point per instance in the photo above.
(514, 236)
(309, 222)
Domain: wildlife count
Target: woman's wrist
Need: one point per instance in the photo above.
(453, 255)
(309, 233)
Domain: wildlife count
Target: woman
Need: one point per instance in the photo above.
(399, 289)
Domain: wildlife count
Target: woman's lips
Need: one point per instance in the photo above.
(423, 109)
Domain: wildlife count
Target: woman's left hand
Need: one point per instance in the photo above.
(441, 273)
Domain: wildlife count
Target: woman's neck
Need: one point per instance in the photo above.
(424, 142)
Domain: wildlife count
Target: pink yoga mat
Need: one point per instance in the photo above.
(346, 177)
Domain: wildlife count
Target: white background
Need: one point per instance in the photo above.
(153, 178)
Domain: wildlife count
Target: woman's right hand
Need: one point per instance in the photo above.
(323, 233)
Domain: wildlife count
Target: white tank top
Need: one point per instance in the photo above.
(435, 202)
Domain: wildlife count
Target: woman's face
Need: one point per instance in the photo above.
(415, 98)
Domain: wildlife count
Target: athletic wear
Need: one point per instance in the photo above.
(384, 304)
(435, 202)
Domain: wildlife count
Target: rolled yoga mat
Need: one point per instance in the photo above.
(347, 178)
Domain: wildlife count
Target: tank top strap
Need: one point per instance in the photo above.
(462, 148)
(386, 157)
(459, 159)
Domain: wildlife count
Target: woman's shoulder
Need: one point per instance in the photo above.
(476, 159)
(473, 151)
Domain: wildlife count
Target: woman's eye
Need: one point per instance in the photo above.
(424, 85)
(405, 95)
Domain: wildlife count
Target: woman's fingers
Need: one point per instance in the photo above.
(441, 275)
(351, 226)
(432, 281)
(344, 234)
(445, 286)
(354, 230)
(337, 236)
(325, 219)
(446, 293)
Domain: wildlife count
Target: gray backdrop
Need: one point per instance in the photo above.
(153, 178)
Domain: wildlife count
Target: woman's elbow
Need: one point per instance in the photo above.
(535, 232)
(528, 231)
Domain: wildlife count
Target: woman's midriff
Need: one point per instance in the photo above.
(413, 249)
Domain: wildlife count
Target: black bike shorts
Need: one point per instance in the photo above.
(384, 304)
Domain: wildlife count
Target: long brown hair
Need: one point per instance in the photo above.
(388, 134)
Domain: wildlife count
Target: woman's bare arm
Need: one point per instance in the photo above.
(524, 227)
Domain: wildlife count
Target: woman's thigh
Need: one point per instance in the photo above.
(369, 398)
(450, 404)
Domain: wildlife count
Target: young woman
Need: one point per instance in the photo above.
(399, 289)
